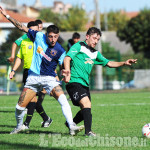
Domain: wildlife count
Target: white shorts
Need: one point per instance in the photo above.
(38, 82)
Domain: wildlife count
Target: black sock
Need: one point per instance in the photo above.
(78, 118)
(31, 106)
(40, 110)
(87, 116)
(41, 97)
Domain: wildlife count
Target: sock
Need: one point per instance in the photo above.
(41, 97)
(87, 116)
(31, 106)
(78, 118)
(19, 114)
(66, 109)
(39, 108)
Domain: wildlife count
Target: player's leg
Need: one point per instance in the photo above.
(31, 107)
(25, 97)
(41, 95)
(39, 108)
(46, 119)
(85, 105)
(66, 109)
(80, 96)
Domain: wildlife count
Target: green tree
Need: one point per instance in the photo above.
(12, 36)
(48, 16)
(137, 33)
(74, 20)
(113, 20)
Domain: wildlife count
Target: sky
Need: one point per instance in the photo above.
(104, 5)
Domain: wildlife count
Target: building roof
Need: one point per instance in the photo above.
(21, 18)
(132, 14)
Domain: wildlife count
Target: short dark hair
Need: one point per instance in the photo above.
(31, 24)
(38, 21)
(52, 28)
(93, 30)
(75, 35)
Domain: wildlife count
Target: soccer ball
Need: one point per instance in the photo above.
(146, 130)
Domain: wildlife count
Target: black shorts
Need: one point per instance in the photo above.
(77, 91)
(25, 75)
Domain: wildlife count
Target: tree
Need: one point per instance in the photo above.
(74, 20)
(12, 37)
(137, 33)
(113, 20)
(48, 16)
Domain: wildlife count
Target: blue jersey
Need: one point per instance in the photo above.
(45, 58)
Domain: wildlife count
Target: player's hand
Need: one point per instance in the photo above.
(3, 11)
(66, 74)
(10, 59)
(129, 62)
(11, 75)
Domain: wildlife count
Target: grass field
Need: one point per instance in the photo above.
(117, 119)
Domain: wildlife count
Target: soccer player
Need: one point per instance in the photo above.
(25, 53)
(40, 24)
(78, 64)
(46, 55)
(75, 39)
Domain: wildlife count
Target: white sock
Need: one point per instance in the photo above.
(66, 109)
(19, 115)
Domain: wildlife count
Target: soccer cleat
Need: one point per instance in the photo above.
(47, 123)
(74, 129)
(90, 134)
(24, 127)
(15, 131)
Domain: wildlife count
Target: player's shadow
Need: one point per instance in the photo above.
(46, 132)
(27, 146)
(7, 111)
(8, 126)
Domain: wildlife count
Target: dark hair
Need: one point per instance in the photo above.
(31, 24)
(52, 28)
(38, 21)
(75, 35)
(93, 30)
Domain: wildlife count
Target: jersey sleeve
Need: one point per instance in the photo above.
(19, 40)
(19, 54)
(74, 50)
(61, 59)
(101, 60)
(32, 34)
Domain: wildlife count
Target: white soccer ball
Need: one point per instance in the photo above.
(146, 130)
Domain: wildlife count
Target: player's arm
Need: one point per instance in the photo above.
(16, 23)
(113, 64)
(15, 67)
(13, 51)
(57, 78)
(66, 70)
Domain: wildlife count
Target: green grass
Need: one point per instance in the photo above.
(115, 116)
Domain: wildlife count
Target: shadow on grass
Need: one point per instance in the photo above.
(8, 126)
(41, 132)
(33, 132)
(7, 145)
(7, 111)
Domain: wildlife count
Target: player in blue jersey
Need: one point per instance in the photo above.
(46, 55)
